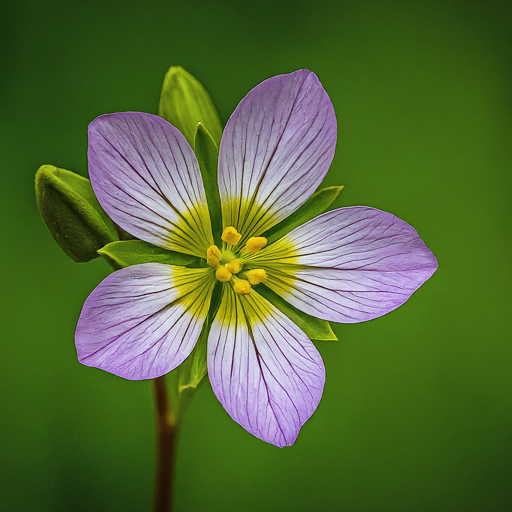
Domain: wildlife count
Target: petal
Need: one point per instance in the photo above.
(143, 321)
(275, 151)
(348, 265)
(263, 369)
(147, 179)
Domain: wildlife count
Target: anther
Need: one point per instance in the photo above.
(255, 243)
(213, 255)
(256, 275)
(242, 287)
(234, 266)
(223, 274)
(231, 236)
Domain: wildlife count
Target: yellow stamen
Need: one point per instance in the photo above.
(213, 255)
(256, 276)
(223, 274)
(255, 243)
(234, 266)
(231, 236)
(242, 287)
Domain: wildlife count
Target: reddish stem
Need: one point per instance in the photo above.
(167, 435)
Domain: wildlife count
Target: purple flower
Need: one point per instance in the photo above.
(347, 265)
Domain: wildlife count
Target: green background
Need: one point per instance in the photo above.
(416, 413)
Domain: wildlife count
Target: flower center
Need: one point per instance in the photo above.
(230, 261)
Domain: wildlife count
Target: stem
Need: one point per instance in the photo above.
(167, 435)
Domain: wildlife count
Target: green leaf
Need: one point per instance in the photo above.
(315, 328)
(315, 205)
(124, 253)
(72, 213)
(184, 102)
(207, 154)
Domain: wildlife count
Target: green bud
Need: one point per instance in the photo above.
(72, 213)
(184, 102)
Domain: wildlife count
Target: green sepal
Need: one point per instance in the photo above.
(315, 205)
(207, 154)
(72, 213)
(315, 328)
(183, 382)
(125, 253)
(184, 102)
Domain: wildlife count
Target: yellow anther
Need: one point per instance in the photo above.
(234, 266)
(242, 287)
(255, 243)
(256, 275)
(231, 236)
(223, 274)
(213, 255)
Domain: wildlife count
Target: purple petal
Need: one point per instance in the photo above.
(143, 321)
(348, 265)
(275, 151)
(263, 369)
(147, 179)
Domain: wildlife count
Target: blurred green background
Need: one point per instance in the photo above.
(416, 413)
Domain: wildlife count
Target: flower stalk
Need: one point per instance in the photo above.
(167, 430)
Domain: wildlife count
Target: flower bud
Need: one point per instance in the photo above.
(72, 213)
(184, 102)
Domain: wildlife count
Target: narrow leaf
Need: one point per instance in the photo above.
(318, 203)
(122, 254)
(207, 154)
(315, 328)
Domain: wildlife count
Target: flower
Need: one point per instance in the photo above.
(347, 265)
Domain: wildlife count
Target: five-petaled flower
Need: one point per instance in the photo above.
(347, 265)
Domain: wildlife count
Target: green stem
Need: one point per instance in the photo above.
(167, 436)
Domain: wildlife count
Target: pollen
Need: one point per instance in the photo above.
(234, 266)
(231, 236)
(213, 255)
(223, 274)
(255, 243)
(256, 276)
(242, 287)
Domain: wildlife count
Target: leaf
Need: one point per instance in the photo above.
(314, 206)
(125, 253)
(315, 328)
(184, 102)
(72, 213)
(207, 155)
